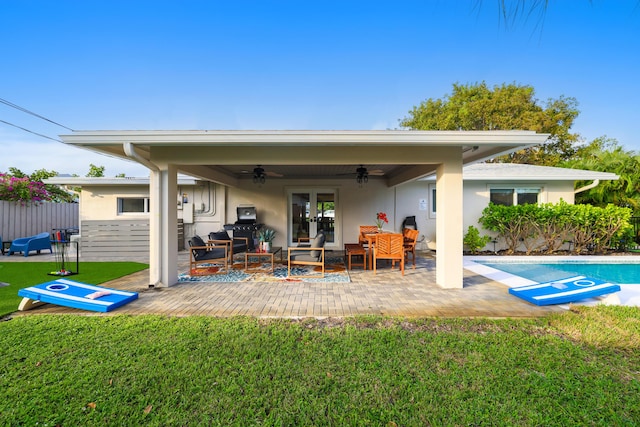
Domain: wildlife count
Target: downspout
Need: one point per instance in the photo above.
(587, 187)
(130, 151)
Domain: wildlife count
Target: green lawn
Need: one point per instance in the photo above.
(22, 274)
(578, 368)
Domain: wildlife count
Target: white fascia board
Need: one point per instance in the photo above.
(80, 181)
(308, 137)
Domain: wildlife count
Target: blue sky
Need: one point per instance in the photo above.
(94, 65)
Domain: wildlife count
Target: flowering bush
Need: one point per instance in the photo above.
(381, 218)
(22, 190)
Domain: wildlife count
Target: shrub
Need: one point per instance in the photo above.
(549, 226)
(22, 190)
(474, 241)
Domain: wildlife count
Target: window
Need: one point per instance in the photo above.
(133, 205)
(432, 199)
(514, 196)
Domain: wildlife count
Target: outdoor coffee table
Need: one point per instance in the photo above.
(261, 254)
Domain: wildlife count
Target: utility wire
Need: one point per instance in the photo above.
(30, 131)
(24, 110)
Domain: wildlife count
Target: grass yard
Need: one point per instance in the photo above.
(22, 274)
(578, 368)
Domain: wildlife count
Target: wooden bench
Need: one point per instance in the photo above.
(355, 249)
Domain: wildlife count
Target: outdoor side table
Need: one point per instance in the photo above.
(256, 253)
(6, 245)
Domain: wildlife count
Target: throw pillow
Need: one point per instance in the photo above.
(318, 242)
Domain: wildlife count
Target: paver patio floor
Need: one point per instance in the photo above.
(388, 293)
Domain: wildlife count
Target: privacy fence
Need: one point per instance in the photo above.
(17, 220)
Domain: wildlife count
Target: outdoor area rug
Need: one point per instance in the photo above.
(334, 271)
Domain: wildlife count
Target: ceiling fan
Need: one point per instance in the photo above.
(362, 174)
(260, 175)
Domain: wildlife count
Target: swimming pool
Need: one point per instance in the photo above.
(514, 271)
(614, 272)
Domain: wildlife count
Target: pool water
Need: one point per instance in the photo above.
(621, 273)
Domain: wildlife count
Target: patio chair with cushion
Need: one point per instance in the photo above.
(235, 245)
(312, 254)
(36, 243)
(389, 246)
(410, 240)
(202, 253)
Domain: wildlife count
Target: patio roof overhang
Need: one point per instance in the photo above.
(221, 156)
(226, 156)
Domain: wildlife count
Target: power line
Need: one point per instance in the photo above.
(30, 131)
(24, 110)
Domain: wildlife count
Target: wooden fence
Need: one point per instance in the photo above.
(17, 220)
(122, 240)
(115, 240)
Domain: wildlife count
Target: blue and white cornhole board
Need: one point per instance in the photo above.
(69, 293)
(564, 291)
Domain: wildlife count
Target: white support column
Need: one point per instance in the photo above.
(163, 233)
(155, 230)
(169, 219)
(449, 233)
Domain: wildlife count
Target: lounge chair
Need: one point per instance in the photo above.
(311, 254)
(36, 243)
(202, 253)
(235, 245)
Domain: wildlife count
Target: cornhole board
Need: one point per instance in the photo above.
(69, 293)
(564, 291)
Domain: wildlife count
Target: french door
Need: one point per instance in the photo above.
(312, 210)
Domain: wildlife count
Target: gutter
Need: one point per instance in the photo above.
(130, 151)
(587, 187)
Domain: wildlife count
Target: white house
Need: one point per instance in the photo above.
(302, 168)
(111, 207)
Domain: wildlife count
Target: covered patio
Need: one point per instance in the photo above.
(316, 157)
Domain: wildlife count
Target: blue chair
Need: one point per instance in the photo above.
(25, 245)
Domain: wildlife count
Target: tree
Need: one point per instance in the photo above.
(606, 155)
(504, 107)
(95, 171)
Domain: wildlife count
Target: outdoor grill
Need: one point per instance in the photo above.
(246, 225)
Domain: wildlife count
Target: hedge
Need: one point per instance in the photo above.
(545, 228)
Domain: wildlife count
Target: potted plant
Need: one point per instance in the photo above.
(266, 237)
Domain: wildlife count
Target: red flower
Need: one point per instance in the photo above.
(381, 217)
